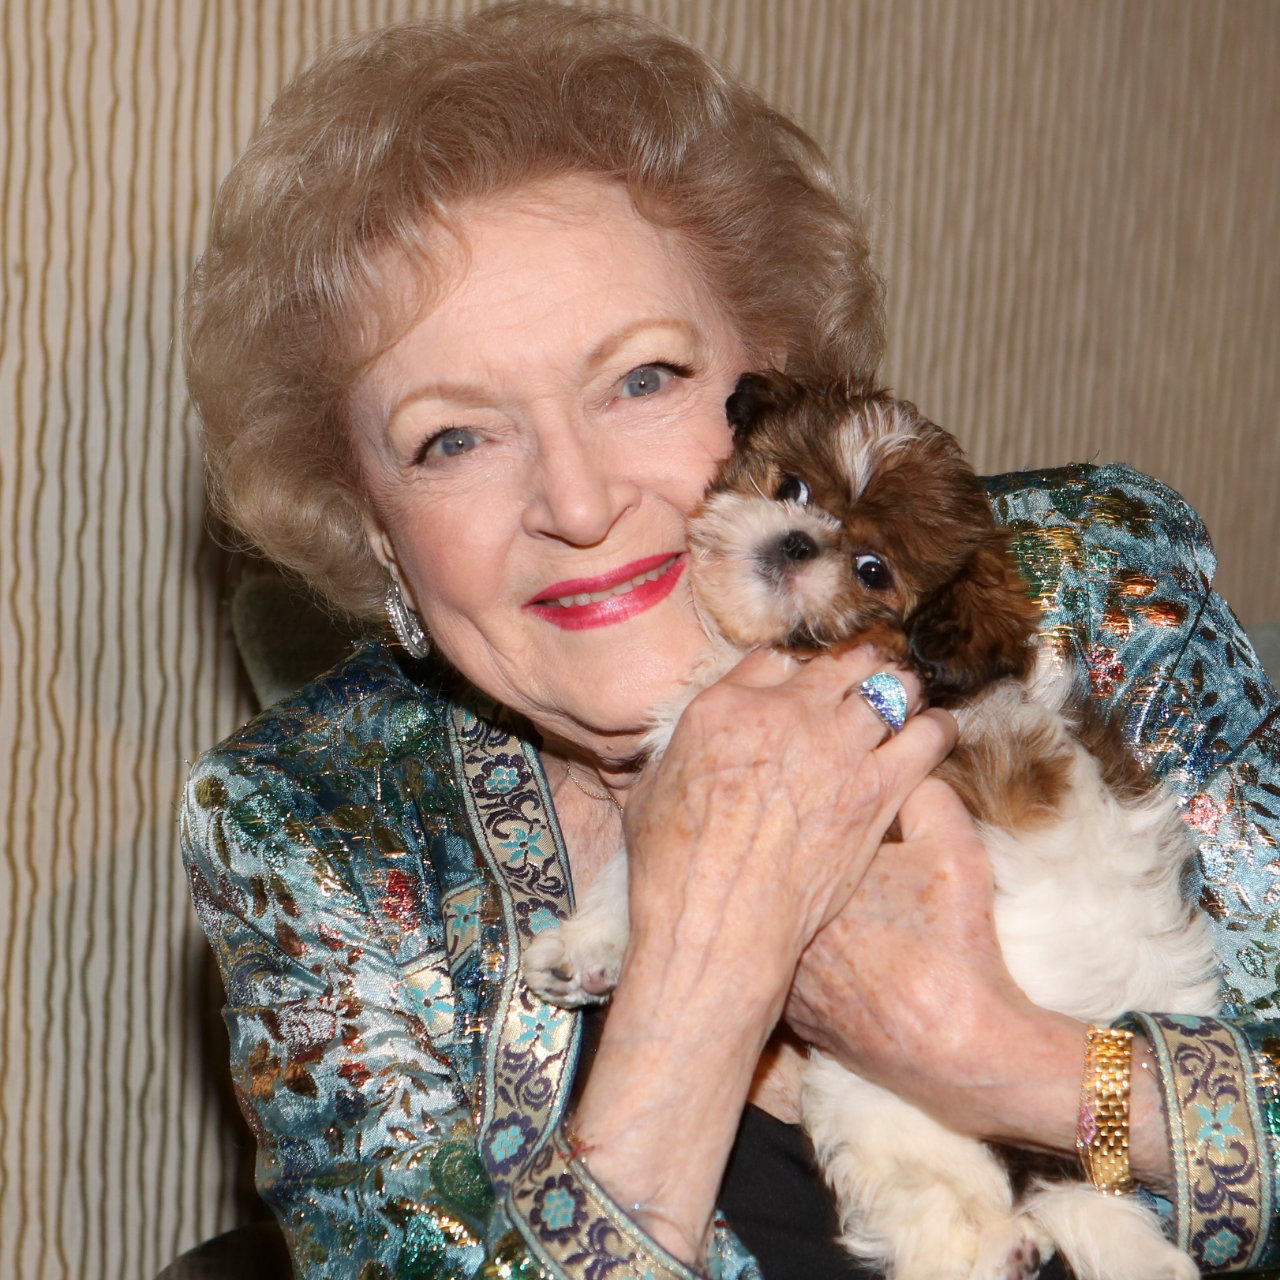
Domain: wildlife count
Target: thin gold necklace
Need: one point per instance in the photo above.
(586, 791)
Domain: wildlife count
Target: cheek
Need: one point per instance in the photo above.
(456, 564)
(682, 471)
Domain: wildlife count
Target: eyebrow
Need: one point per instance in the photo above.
(605, 349)
(461, 392)
(473, 396)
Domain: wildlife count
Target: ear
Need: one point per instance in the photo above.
(384, 552)
(755, 396)
(976, 628)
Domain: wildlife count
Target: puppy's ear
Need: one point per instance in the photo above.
(976, 628)
(756, 396)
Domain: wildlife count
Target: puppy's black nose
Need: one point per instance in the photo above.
(798, 546)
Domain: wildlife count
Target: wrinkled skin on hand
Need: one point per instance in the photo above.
(909, 975)
(779, 778)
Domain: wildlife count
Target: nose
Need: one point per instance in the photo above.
(579, 489)
(797, 546)
(779, 555)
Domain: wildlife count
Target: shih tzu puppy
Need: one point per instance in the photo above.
(843, 514)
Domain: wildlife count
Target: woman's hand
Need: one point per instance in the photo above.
(907, 987)
(770, 803)
(744, 839)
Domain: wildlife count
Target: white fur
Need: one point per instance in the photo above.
(1107, 1236)
(578, 962)
(913, 1197)
(1089, 912)
(870, 437)
(1091, 923)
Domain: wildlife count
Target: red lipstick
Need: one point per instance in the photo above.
(631, 589)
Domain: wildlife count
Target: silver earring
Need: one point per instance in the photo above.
(404, 622)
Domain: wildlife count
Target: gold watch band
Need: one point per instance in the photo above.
(1102, 1129)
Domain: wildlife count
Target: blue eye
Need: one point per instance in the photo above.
(448, 444)
(645, 380)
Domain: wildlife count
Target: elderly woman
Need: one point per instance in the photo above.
(461, 343)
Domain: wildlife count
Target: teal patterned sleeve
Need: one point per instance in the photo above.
(366, 955)
(1123, 570)
(344, 1042)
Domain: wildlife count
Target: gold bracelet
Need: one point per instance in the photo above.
(1102, 1129)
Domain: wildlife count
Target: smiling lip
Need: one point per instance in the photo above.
(578, 603)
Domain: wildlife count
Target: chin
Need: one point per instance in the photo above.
(843, 516)
(629, 683)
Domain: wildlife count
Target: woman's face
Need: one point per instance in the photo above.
(533, 446)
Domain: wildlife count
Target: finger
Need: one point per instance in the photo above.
(908, 758)
(880, 705)
(764, 669)
(840, 674)
(932, 809)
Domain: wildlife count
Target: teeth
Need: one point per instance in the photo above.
(621, 589)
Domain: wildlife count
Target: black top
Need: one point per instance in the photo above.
(781, 1209)
(779, 1206)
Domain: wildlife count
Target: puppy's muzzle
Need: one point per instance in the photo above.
(783, 553)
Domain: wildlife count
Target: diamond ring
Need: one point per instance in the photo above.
(887, 697)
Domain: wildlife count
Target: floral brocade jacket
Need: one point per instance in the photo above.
(369, 857)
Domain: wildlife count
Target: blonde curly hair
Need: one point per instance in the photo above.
(384, 138)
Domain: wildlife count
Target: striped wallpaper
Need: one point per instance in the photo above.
(1076, 206)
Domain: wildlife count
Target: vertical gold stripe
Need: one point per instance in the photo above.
(13, 1015)
(71, 1167)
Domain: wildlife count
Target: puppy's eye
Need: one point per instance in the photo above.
(873, 571)
(793, 489)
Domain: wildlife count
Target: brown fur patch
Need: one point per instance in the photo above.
(886, 640)
(1013, 781)
(1101, 736)
(975, 629)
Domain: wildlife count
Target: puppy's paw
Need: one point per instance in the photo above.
(1012, 1249)
(567, 969)
(549, 972)
(1106, 1237)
